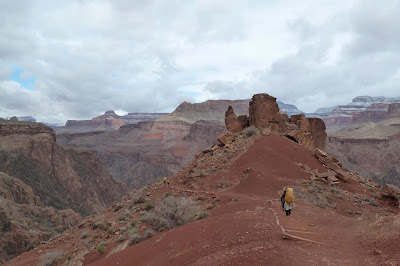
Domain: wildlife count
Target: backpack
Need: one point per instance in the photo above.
(289, 197)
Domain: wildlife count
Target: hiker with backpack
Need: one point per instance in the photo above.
(287, 199)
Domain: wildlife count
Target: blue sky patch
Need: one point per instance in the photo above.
(25, 82)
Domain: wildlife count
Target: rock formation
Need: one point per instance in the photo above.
(264, 114)
(233, 123)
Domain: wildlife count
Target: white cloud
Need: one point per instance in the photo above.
(91, 56)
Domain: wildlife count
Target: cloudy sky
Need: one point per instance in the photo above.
(75, 59)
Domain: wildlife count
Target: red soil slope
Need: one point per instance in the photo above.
(245, 232)
(241, 185)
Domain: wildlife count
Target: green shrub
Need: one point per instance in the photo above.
(250, 131)
(140, 200)
(149, 206)
(149, 234)
(133, 223)
(121, 238)
(168, 194)
(50, 258)
(122, 218)
(171, 212)
(134, 238)
(101, 249)
(202, 215)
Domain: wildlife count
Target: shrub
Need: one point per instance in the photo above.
(200, 198)
(235, 199)
(149, 234)
(171, 212)
(121, 238)
(133, 223)
(84, 235)
(202, 215)
(122, 218)
(50, 258)
(149, 206)
(168, 194)
(140, 200)
(123, 229)
(250, 131)
(101, 248)
(134, 238)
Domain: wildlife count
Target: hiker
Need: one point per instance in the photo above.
(165, 180)
(289, 199)
(283, 199)
(168, 182)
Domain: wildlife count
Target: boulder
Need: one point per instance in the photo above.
(226, 138)
(391, 191)
(14, 119)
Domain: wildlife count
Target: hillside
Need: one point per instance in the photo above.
(46, 188)
(239, 184)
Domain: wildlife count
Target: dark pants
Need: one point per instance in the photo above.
(288, 212)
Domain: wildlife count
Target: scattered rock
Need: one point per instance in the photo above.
(248, 170)
(226, 138)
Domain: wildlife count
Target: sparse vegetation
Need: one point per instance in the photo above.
(122, 218)
(168, 194)
(149, 206)
(149, 234)
(235, 199)
(133, 223)
(250, 131)
(50, 258)
(134, 238)
(145, 190)
(121, 238)
(171, 212)
(101, 248)
(200, 198)
(140, 200)
(202, 215)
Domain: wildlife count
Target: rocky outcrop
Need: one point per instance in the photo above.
(264, 114)
(263, 111)
(233, 123)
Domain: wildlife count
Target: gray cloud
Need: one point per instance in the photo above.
(91, 56)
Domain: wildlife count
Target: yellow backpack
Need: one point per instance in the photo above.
(289, 196)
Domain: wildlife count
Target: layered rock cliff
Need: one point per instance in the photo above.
(361, 109)
(62, 178)
(372, 149)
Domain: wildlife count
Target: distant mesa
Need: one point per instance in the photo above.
(109, 121)
(21, 118)
(361, 109)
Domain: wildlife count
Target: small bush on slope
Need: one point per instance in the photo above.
(171, 212)
(50, 258)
